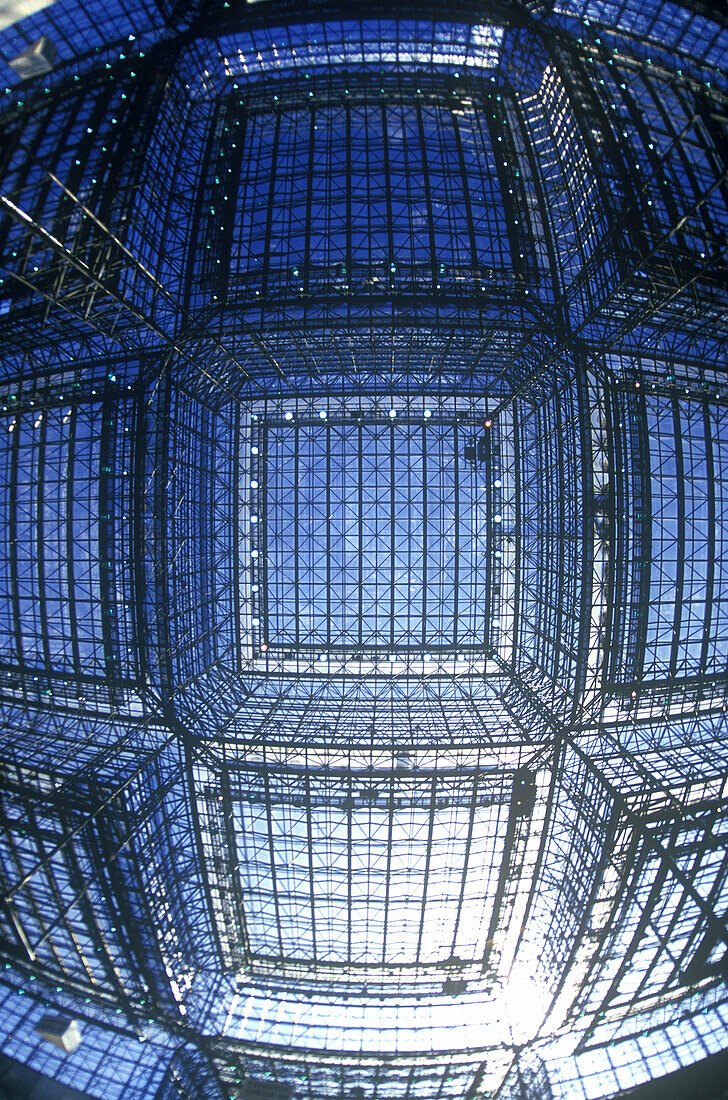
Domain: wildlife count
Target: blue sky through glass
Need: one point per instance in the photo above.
(376, 535)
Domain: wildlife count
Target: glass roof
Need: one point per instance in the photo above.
(363, 636)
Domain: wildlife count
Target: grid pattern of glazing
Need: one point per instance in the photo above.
(316, 856)
(190, 538)
(117, 1064)
(73, 29)
(233, 826)
(399, 189)
(686, 632)
(273, 51)
(66, 489)
(375, 534)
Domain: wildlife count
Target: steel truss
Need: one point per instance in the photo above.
(363, 636)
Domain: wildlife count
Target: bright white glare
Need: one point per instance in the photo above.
(12, 11)
(485, 36)
(454, 45)
(511, 1014)
(524, 1003)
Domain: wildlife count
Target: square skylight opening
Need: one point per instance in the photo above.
(373, 536)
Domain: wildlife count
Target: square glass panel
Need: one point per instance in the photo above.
(374, 534)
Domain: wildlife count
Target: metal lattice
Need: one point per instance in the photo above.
(362, 591)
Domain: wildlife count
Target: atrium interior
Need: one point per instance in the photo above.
(363, 591)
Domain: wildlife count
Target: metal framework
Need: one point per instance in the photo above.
(363, 583)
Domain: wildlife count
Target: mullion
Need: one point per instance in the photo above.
(424, 535)
(328, 535)
(680, 541)
(710, 566)
(296, 539)
(392, 535)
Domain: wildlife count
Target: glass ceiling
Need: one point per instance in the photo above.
(375, 535)
(363, 632)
